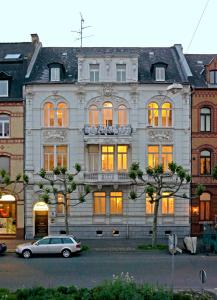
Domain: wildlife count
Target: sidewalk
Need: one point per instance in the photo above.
(96, 244)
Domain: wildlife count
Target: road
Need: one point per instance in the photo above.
(92, 267)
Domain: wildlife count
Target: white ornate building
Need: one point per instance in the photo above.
(105, 108)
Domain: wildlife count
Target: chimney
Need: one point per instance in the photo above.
(35, 38)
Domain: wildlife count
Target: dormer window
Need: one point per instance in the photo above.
(3, 88)
(121, 72)
(213, 77)
(55, 74)
(94, 72)
(160, 73)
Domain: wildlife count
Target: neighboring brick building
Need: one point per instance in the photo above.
(204, 138)
(14, 61)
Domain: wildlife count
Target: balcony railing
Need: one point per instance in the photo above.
(108, 130)
(106, 177)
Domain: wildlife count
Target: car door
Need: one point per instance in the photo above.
(55, 245)
(41, 246)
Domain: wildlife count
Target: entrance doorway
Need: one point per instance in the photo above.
(41, 219)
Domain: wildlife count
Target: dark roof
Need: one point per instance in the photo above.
(16, 68)
(69, 58)
(197, 63)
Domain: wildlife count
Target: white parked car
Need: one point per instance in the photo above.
(58, 244)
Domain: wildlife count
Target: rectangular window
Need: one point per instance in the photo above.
(3, 88)
(5, 164)
(204, 210)
(121, 72)
(167, 205)
(55, 156)
(60, 204)
(94, 72)
(167, 156)
(122, 158)
(160, 74)
(99, 205)
(153, 156)
(107, 158)
(149, 207)
(93, 158)
(4, 126)
(116, 203)
(213, 77)
(55, 74)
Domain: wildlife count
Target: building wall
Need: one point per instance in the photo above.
(201, 141)
(133, 222)
(13, 147)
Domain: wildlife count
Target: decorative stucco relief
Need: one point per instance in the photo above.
(160, 135)
(57, 135)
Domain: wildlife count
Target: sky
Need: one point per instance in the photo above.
(115, 23)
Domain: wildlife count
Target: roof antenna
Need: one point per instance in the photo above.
(80, 32)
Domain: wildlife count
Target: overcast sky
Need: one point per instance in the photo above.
(118, 23)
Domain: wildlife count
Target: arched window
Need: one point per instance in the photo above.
(93, 116)
(122, 115)
(4, 125)
(166, 115)
(205, 200)
(48, 114)
(205, 119)
(55, 116)
(205, 162)
(153, 114)
(62, 115)
(107, 114)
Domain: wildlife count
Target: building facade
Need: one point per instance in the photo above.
(204, 139)
(105, 108)
(14, 61)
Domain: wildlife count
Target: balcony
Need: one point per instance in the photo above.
(113, 130)
(107, 177)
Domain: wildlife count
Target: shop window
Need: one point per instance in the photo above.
(7, 215)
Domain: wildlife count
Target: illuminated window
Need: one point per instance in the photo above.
(60, 204)
(93, 158)
(122, 115)
(99, 204)
(55, 116)
(205, 119)
(160, 155)
(107, 158)
(4, 126)
(167, 204)
(205, 162)
(62, 115)
(122, 158)
(94, 72)
(7, 214)
(107, 114)
(121, 72)
(205, 200)
(149, 207)
(167, 156)
(166, 115)
(153, 156)
(93, 116)
(153, 114)
(116, 203)
(55, 156)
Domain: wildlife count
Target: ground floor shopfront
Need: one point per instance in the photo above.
(107, 213)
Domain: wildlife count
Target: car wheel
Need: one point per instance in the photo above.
(66, 253)
(26, 253)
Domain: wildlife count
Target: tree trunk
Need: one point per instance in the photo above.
(66, 216)
(154, 225)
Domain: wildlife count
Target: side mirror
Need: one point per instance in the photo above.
(36, 244)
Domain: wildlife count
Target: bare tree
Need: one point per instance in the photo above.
(155, 183)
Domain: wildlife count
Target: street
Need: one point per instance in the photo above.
(92, 267)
